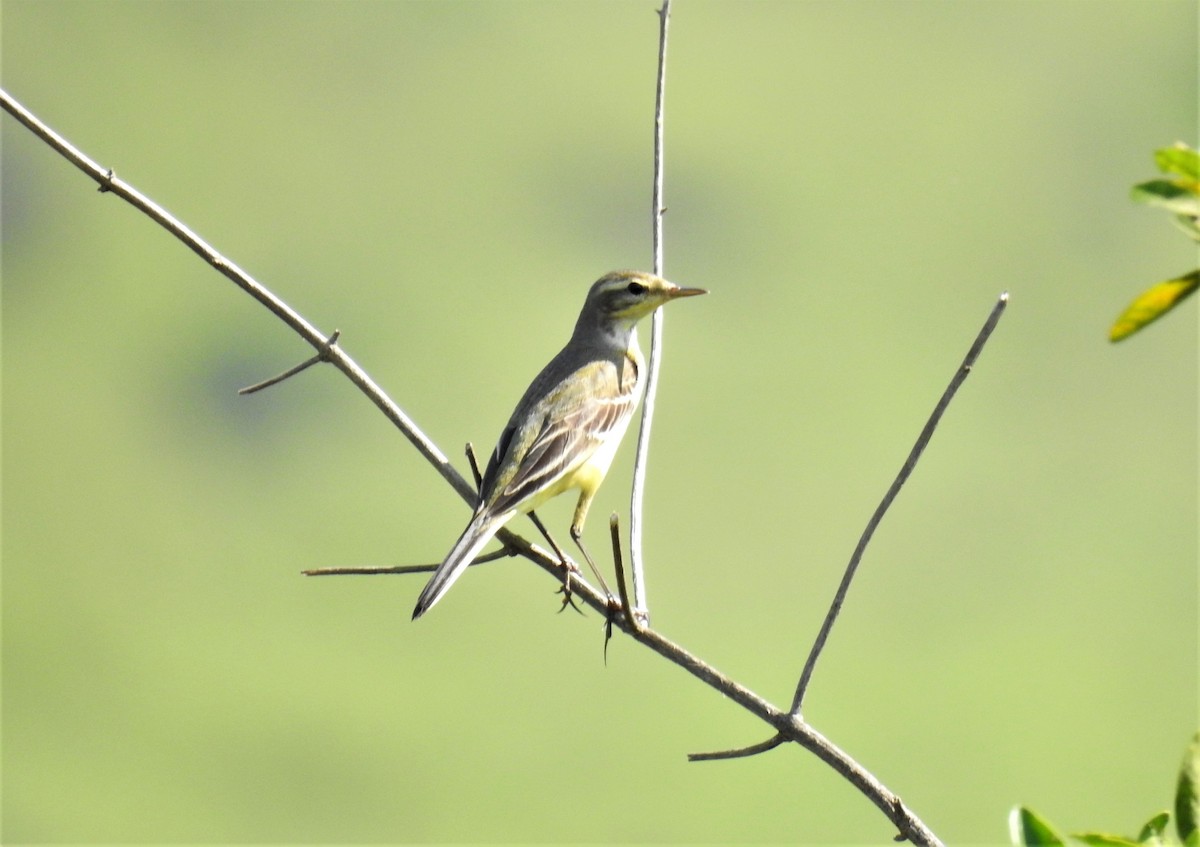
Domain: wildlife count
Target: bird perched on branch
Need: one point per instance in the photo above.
(567, 427)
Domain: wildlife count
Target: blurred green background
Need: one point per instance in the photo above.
(855, 182)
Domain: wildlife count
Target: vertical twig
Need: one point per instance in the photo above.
(636, 570)
(619, 566)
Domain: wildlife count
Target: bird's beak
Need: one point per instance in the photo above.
(677, 291)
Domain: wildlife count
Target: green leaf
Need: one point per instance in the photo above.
(1104, 839)
(1152, 832)
(1187, 794)
(1180, 160)
(1027, 827)
(1190, 224)
(1167, 194)
(1152, 304)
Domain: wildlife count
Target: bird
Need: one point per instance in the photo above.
(565, 430)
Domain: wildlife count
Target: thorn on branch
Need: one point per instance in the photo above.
(901, 814)
(321, 356)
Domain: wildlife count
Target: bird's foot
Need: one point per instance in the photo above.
(565, 589)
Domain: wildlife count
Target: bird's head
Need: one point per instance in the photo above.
(622, 298)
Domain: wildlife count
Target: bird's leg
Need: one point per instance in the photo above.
(581, 510)
(569, 567)
(611, 605)
(577, 536)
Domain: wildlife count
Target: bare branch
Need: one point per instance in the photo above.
(909, 464)
(793, 728)
(636, 568)
(787, 724)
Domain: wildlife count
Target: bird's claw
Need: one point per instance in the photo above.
(569, 570)
(568, 598)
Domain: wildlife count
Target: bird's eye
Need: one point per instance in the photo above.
(636, 289)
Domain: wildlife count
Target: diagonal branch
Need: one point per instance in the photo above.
(326, 346)
(906, 470)
(323, 344)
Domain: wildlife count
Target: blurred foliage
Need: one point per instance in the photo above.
(1181, 195)
(1026, 827)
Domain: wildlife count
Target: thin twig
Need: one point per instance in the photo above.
(322, 356)
(474, 463)
(741, 752)
(791, 726)
(911, 462)
(614, 529)
(636, 566)
(495, 555)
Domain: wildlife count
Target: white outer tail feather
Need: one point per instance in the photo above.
(475, 537)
